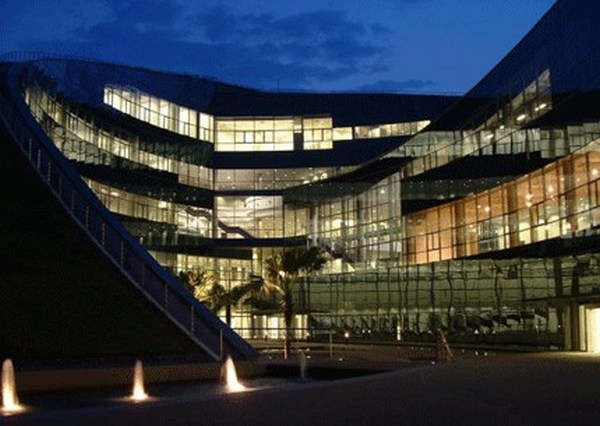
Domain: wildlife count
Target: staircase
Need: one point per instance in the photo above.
(131, 259)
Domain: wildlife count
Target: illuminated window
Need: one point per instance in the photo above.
(254, 134)
(389, 130)
(342, 133)
(317, 133)
(246, 134)
(160, 112)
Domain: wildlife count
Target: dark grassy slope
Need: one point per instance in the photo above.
(59, 297)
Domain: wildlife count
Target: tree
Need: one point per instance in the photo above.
(205, 287)
(281, 274)
(201, 284)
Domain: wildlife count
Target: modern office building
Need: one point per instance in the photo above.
(477, 214)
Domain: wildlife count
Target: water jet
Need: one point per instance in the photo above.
(232, 383)
(10, 402)
(138, 393)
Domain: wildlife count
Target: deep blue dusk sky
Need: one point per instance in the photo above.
(423, 46)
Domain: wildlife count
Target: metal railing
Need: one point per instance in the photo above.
(137, 265)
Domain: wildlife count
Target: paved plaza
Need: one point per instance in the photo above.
(479, 388)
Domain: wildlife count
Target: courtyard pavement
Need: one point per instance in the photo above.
(478, 388)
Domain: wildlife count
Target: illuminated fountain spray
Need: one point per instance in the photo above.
(232, 383)
(10, 403)
(139, 393)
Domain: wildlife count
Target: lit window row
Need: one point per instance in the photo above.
(257, 179)
(81, 139)
(549, 143)
(237, 216)
(558, 200)
(388, 130)
(252, 134)
(273, 134)
(255, 134)
(160, 113)
(496, 130)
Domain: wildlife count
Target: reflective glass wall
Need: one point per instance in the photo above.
(559, 200)
(386, 268)
(363, 230)
(519, 301)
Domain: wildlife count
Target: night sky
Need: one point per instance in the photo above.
(412, 46)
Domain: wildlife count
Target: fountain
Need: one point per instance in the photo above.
(138, 393)
(228, 372)
(10, 403)
(303, 365)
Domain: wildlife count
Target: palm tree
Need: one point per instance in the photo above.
(204, 286)
(255, 286)
(282, 272)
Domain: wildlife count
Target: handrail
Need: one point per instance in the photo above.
(142, 270)
(222, 225)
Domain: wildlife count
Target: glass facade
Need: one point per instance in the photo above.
(499, 132)
(160, 112)
(274, 178)
(247, 134)
(502, 300)
(511, 257)
(388, 271)
(387, 130)
(556, 201)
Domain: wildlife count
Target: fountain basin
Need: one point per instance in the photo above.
(172, 384)
(93, 378)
